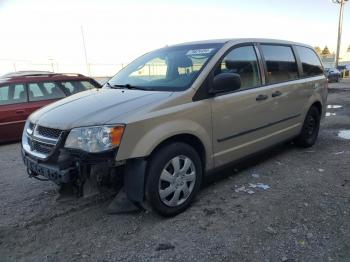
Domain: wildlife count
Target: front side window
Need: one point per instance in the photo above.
(167, 69)
(75, 86)
(281, 65)
(44, 91)
(310, 62)
(12, 94)
(242, 61)
(89, 85)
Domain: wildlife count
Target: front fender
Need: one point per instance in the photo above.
(136, 146)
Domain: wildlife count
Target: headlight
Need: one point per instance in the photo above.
(95, 138)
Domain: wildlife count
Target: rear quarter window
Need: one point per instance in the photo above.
(13, 94)
(4, 94)
(311, 64)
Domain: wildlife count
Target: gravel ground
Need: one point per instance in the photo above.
(302, 216)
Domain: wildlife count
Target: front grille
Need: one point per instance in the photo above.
(41, 141)
(42, 147)
(48, 132)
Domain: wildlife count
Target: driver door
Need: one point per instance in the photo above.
(238, 116)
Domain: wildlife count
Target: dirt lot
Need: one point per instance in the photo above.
(303, 216)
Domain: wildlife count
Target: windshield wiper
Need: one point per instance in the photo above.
(128, 86)
(108, 84)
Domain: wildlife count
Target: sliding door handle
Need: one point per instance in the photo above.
(261, 97)
(276, 94)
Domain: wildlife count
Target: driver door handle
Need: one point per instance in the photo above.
(261, 97)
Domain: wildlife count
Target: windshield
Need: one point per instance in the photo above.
(166, 69)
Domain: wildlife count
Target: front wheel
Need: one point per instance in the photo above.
(174, 178)
(309, 131)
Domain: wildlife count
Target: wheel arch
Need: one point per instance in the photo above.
(189, 139)
(317, 101)
(318, 105)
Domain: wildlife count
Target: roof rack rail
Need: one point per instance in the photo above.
(56, 74)
(25, 73)
(71, 74)
(37, 74)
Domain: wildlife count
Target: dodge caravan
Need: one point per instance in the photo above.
(171, 116)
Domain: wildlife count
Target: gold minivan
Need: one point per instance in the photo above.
(174, 114)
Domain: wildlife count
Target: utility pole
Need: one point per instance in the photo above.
(51, 62)
(340, 25)
(85, 53)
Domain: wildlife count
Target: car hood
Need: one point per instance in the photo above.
(94, 107)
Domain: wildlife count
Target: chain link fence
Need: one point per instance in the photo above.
(92, 69)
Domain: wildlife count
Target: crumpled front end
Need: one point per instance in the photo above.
(82, 173)
(46, 158)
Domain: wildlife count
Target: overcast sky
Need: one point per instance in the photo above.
(118, 31)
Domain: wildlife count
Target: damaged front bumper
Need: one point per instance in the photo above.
(48, 158)
(49, 171)
(44, 154)
(68, 168)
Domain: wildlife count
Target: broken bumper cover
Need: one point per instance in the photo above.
(67, 170)
(49, 171)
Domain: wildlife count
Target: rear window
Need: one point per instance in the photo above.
(281, 65)
(310, 62)
(74, 86)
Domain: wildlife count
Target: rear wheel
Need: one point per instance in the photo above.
(174, 178)
(309, 131)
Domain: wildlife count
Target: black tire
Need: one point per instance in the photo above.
(158, 162)
(309, 131)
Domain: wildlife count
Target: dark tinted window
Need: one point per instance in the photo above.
(280, 63)
(12, 94)
(242, 61)
(310, 62)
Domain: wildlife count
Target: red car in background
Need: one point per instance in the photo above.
(22, 93)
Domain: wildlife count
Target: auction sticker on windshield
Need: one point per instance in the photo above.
(200, 51)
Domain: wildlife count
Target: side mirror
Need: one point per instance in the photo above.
(226, 82)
